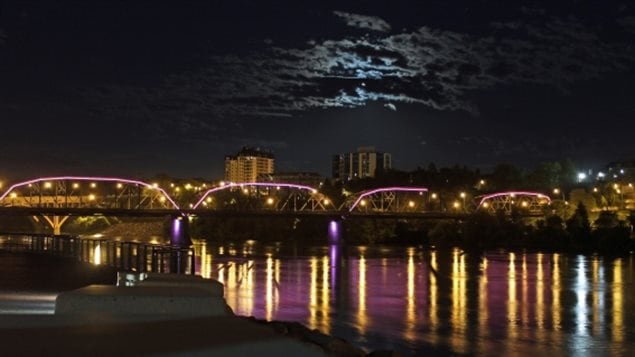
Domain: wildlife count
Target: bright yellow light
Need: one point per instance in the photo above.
(456, 204)
(208, 199)
(119, 185)
(48, 185)
(91, 197)
(524, 203)
(155, 185)
(411, 204)
(245, 191)
(326, 201)
(172, 184)
(513, 195)
(618, 191)
(615, 186)
(75, 185)
(269, 201)
(629, 185)
(162, 199)
(13, 195)
(434, 196)
(595, 189)
(177, 189)
(556, 191)
(482, 182)
(188, 186)
(485, 204)
(93, 185)
(362, 203)
(314, 191)
(462, 195)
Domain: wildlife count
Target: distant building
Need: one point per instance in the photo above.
(363, 163)
(247, 164)
(312, 179)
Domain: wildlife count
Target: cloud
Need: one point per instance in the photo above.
(628, 23)
(439, 69)
(363, 21)
(391, 106)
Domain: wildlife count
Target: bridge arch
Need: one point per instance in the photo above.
(387, 199)
(67, 191)
(506, 201)
(272, 196)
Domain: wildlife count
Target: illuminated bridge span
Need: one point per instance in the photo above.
(388, 199)
(531, 202)
(87, 192)
(264, 196)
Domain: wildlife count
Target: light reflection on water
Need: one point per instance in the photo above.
(419, 301)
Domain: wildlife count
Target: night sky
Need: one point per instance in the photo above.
(137, 88)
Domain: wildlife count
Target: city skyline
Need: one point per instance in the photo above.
(147, 88)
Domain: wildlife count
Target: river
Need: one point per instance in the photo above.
(418, 301)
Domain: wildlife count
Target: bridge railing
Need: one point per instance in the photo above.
(124, 256)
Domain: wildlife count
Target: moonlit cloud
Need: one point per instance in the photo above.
(439, 69)
(363, 21)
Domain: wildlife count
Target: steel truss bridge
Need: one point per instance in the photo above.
(56, 198)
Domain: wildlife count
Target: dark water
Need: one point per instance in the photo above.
(442, 302)
(29, 283)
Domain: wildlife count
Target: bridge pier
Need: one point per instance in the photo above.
(56, 223)
(180, 231)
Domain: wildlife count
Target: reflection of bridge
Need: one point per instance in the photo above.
(56, 198)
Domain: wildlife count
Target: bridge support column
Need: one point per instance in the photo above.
(56, 223)
(180, 232)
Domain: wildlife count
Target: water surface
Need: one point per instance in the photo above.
(418, 301)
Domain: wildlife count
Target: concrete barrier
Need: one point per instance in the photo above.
(176, 280)
(141, 300)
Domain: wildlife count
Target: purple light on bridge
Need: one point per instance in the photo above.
(254, 184)
(513, 193)
(88, 178)
(386, 189)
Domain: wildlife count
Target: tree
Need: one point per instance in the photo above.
(506, 177)
(579, 227)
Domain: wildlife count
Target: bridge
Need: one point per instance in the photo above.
(55, 199)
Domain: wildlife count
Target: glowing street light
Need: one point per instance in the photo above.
(433, 196)
(48, 185)
(75, 185)
(524, 204)
(556, 191)
(411, 204)
(93, 185)
(326, 201)
(269, 201)
(462, 195)
(362, 203)
(456, 204)
(91, 197)
(485, 205)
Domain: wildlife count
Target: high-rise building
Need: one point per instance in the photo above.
(247, 164)
(363, 163)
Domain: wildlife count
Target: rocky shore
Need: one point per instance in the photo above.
(328, 344)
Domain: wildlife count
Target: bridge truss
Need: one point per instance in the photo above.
(388, 200)
(529, 202)
(87, 192)
(259, 196)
